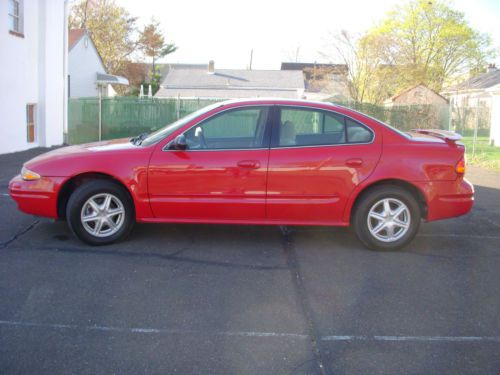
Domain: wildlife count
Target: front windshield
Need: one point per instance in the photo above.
(169, 129)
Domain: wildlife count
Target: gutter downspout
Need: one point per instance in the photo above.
(65, 73)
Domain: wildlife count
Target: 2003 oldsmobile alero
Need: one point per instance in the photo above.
(274, 162)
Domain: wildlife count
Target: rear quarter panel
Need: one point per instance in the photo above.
(417, 163)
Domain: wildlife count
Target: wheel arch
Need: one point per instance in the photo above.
(417, 193)
(72, 183)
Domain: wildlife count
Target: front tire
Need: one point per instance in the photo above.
(100, 212)
(386, 218)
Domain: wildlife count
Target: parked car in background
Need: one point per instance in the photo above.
(272, 162)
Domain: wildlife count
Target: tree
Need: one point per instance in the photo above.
(137, 74)
(153, 45)
(111, 28)
(429, 42)
(420, 42)
(355, 52)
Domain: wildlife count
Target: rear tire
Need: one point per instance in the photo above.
(386, 218)
(100, 212)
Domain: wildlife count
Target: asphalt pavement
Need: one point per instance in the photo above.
(219, 299)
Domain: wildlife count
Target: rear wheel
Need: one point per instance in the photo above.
(100, 212)
(386, 218)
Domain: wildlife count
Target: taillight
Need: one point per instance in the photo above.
(460, 167)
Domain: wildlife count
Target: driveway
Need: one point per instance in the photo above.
(218, 299)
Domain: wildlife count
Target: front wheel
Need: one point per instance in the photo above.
(386, 218)
(100, 212)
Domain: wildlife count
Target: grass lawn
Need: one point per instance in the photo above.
(485, 156)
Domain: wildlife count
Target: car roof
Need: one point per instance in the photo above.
(272, 100)
(289, 102)
(321, 105)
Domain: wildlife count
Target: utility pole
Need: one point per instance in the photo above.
(251, 59)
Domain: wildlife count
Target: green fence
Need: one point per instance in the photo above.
(467, 120)
(464, 120)
(83, 120)
(124, 117)
(406, 117)
(127, 117)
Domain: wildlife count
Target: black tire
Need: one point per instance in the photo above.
(375, 196)
(93, 188)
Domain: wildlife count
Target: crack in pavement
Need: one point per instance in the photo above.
(3, 245)
(492, 222)
(170, 257)
(301, 294)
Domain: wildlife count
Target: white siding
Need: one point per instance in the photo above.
(469, 99)
(83, 65)
(495, 119)
(31, 71)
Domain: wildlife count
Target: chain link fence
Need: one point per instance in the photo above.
(126, 117)
(122, 117)
(470, 121)
(406, 117)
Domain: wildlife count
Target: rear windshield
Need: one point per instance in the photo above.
(400, 132)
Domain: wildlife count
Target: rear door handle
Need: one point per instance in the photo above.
(354, 162)
(253, 164)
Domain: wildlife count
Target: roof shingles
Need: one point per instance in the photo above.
(479, 82)
(231, 83)
(74, 36)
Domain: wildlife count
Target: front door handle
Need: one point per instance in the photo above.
(252, 164)
(354, 162)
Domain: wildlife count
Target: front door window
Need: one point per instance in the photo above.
(233, 129)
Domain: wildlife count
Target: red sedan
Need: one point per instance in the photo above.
(273, 162)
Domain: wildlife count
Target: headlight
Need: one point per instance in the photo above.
(28, 175)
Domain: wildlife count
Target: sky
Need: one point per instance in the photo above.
(227, 31)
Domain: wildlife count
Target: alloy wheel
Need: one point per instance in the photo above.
(102, 215)
(389, 219)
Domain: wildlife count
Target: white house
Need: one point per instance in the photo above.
(495, 115)
(480, 92)
(32, 97)
(87, 74)
(473, 92)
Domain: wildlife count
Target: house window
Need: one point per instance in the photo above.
(16, 16)
(30, 122)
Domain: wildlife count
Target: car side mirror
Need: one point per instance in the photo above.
(179, 143)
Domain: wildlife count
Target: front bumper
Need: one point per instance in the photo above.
(446, 199)
(37, 197)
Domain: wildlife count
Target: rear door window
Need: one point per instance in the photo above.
(357, 133)
(309, 127)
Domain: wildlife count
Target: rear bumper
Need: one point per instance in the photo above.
(38, 197)
(446, 199)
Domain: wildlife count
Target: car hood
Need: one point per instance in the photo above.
(88, 148)
(96, 157)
